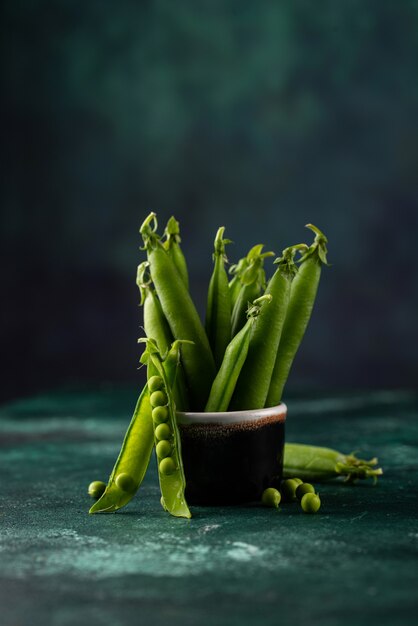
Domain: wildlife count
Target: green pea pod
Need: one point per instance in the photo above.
(254, 381)
(156, 327)
(172, 245)
(234, 358)
(317, 464)
(133, 459)
(182, 317)
(218, 308)
(166, 434)
(252, 281)
(235, 282)
(301, 302)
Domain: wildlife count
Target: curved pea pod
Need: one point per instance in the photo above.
(218, 307)
(172, 245)
(235, 354)
(254, 380)
(181, 315)
(167, 437)
(252, 283)
(133, 459)
(156, 327)
(301, 302)
(319, 464)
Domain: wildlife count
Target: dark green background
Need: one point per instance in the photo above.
(257, 116)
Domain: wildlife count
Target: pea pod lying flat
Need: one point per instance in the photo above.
(166, 434)
(182, 317)
(302, 299)
(318, 464)
(235, 355)
(218, 307)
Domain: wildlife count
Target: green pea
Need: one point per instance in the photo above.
(158, 398)
(167, 466)
(160, 414)
(96, 489)
(304, 488)
(125, 482)
(271, 497)
(155, 383)
(310, 503)
(163, 431)
(298, 480)
(288, 489)
(163, 449)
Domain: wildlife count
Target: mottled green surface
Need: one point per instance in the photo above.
(353, 563)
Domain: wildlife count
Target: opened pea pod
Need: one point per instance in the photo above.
(166, 434)
(134, 457)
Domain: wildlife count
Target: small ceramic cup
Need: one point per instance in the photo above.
(231, 457)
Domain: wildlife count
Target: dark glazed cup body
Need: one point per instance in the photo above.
(231, 457)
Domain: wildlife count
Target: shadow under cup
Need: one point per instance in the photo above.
(231, 457)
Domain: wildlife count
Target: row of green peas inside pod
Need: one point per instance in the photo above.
(162, 430)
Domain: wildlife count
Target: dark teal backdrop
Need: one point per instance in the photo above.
(260, 116)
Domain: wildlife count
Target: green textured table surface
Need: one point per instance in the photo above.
(355, 562)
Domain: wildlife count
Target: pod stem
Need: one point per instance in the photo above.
(286, 262)
(148, 230)
(254, 309)
(354, 469)
(319, 246)
(220, 243)
(143, 280)
(172, 231)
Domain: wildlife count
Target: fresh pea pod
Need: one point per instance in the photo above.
(156, 327)
(318, 464)
(172, 245)
(133, 459)
(166, 434)
(254, 380)
(233, 361)
(235, 283)
(218, 307)
(302, 298)
(134, 456)
(182, 317)
(252, 283)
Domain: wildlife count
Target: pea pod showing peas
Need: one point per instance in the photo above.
(133, 459)
(301, 302)
(181, 315)
(166, 434)
(135, 453)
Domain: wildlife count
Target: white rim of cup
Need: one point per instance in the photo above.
(232, 417)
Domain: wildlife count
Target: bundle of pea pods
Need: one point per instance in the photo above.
(238, 359)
